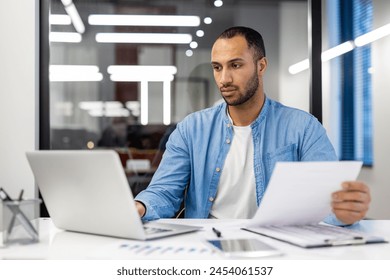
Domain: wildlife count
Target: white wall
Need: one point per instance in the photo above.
(293, 48)
(18, 93)
(378, 177)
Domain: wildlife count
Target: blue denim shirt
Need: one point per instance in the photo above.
(196, 151)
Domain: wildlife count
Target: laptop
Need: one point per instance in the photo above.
(298, 199)
(88, 191)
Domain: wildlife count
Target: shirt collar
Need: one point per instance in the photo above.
(259, 118)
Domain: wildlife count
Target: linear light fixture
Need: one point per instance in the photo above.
(74, 73)
(141, 77)
(146, 74)
(106, 108)
(71, 10)
(65, 37)
(134, 107)
(56, 19)
(299, 67)
(325, 56)
(131, 69)
(373, 35)
(137, 73)
(166, 103)
(114, 112)
(144, 100)
(344, 48)
(337, 51)
(144, 38)
(93, 105)
(144, 20)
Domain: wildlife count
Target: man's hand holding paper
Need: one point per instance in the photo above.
(351, 203)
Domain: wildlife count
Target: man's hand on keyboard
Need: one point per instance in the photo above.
(140, 208)
(352, 202)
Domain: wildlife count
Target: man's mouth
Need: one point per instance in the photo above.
(228, 89)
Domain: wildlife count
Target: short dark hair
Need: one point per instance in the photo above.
(252, 37)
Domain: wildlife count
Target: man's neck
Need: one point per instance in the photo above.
(245, 114)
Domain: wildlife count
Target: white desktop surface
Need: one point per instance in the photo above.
(58, 244)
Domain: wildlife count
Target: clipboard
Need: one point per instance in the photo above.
(298, 198)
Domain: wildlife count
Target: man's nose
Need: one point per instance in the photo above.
(225, 78)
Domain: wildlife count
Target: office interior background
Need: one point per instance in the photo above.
(113, 93)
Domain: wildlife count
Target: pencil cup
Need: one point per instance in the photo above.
(20, 221)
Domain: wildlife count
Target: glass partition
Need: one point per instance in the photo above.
(123, 73)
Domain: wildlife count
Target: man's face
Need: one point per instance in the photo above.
(235, 72)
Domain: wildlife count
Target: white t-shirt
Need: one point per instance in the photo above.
(236, 193)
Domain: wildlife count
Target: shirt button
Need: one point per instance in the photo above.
(217, 169)
(229, 125)
(211, 199)
(228, 141)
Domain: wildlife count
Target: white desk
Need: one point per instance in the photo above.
(58, 244)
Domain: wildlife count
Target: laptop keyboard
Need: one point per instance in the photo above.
(153, 230)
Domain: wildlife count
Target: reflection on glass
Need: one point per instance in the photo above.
(129, 92)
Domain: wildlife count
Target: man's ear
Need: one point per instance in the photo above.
(262, 65)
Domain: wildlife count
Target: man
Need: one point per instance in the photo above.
(219, 160)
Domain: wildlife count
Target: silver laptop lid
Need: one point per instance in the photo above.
(87, 191)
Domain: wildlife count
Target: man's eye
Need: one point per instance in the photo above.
(216, 67)
(236, 65)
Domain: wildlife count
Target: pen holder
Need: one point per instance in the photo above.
(20, 221)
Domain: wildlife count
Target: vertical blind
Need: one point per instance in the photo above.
(356, 18)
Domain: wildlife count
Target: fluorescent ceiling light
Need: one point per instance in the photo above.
(144, 20)
(137, 73)
(146, 69)
(144, 100)
(134, 107)
(299, 67)
(189, 53)
(59, 20)
(344, 48)
(78, 69)
(144, 38)
(66, 2)
(93, 105)
(193, 45)
(200, 33)
(207, 20)
(107, 109)
(373, 35)
(144, 103)
(166, 103)
(114, 112)
(65, 37)
(325, 56)
(218, 3)
(146, 74)
(86, 77)
(71, 10)
(337, 51)
(141, 77)
(76, 19)
(75, 73)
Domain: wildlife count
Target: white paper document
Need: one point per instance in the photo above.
(299, 193)
(298, 198)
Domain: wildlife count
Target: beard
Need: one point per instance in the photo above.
(249, 91)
